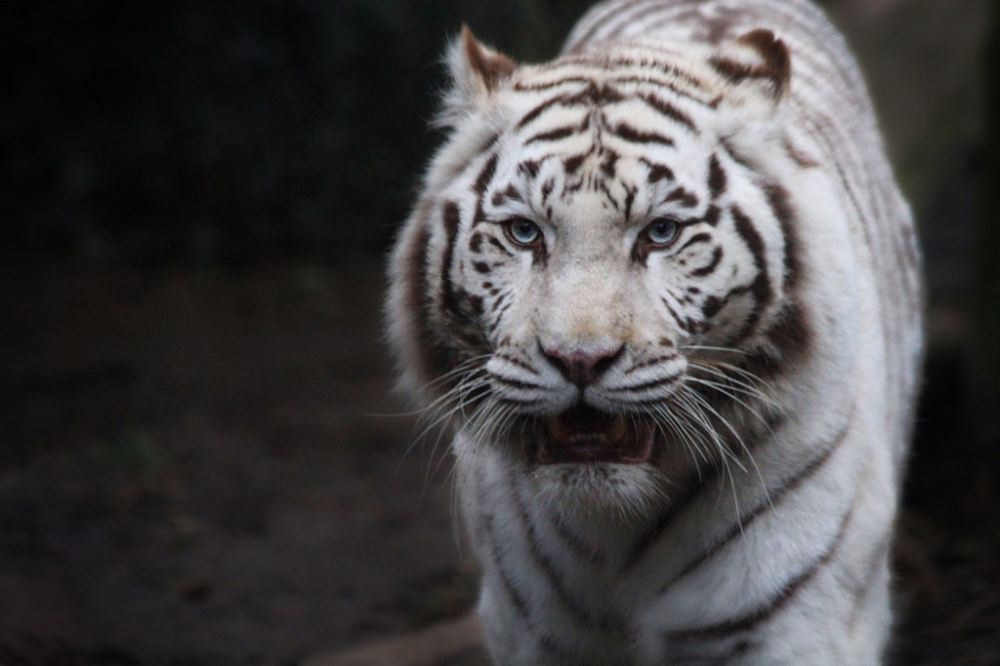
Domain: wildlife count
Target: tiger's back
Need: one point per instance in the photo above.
(665, 290)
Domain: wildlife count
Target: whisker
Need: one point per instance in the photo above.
(739, 440)
(726, 391)
(746, 383)
(725, 350)
(687, 398)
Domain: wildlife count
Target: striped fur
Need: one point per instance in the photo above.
(665, 292)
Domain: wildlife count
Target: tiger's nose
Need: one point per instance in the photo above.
(582, 367)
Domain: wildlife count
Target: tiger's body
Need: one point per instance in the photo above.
(665, 290)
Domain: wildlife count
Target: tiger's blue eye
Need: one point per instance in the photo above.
(662, 231)
(522, 231)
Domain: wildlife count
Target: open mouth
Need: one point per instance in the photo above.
(586, 435)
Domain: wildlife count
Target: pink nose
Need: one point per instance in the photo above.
(582, 367)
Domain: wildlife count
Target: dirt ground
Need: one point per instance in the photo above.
(209, 469)
(206, 468)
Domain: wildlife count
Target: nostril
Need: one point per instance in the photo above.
(606, 362)
(582, 366)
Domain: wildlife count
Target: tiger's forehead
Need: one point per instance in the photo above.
(628, 102)
(590, 167)
(605, 76)
(608, 131)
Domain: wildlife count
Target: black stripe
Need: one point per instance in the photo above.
(683, 197)
(791, 334)
(697, 238)
(779, 201)
(433, 359)
(633, 135)
(716, 178)
(541, 108)
(660, 66)
(603, 187)
(476, 243)
(500, 246)
(571, 164)
(576, 543)
(512, 193)
(609, 162)
(630, 193)
(520, 605)
(529, 168)
(652, 384)
(666, 518)
(761, 286)
(488, 535)
(452, 220)
(513, 360)
(767, 610)
(513, 383)
(710, 266)
(545, 564)
(712, 216)
(651, 362)
(735, 72)
(669, 110)
(685, 324)
(771, 500)
(547, 187)
(698, 481)
(537, 87)
(593, 95)
(657, 172)
(666, 85)
(553, 135)
(486, 175)
(711, 306)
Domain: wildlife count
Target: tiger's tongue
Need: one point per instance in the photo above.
(583, 434)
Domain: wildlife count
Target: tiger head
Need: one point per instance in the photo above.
(601, 266)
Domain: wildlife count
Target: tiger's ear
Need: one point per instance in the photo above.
(756, 70)
(476, 72)
(757, 64)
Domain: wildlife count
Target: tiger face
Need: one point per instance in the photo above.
(587, 282)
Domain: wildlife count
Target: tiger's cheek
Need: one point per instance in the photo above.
(498, 282)
(678, 298)
(705, 292)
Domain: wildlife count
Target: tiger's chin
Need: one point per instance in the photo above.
(586, 462)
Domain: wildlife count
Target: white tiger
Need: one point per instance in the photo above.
(665, 291)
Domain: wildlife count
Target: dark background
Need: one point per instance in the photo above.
(198, 462)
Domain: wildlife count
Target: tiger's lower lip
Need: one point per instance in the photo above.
(585, 435)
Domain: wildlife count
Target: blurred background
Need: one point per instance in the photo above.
(201, 461)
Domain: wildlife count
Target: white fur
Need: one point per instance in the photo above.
(786, 489)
